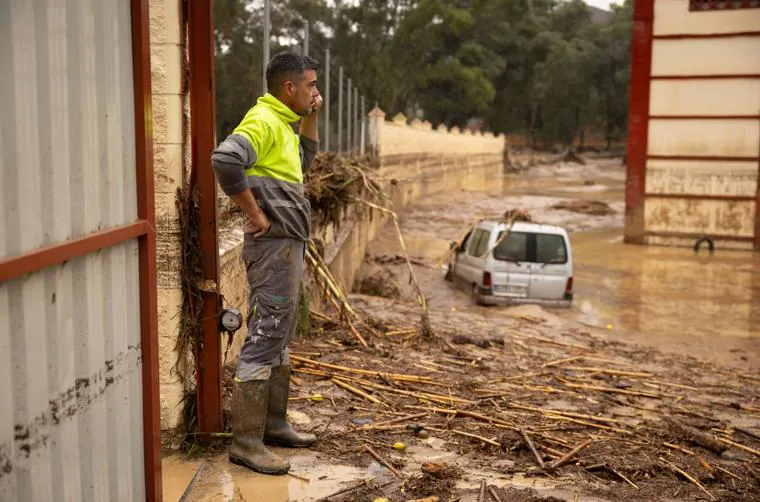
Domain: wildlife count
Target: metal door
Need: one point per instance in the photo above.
(78, 343)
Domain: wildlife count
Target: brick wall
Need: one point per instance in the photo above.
(171, 163)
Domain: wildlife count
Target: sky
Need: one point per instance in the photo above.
(602, 4)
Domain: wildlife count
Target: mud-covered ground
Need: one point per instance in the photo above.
(654, 379)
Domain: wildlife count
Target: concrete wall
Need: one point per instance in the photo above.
(171, 163)
(703, 133)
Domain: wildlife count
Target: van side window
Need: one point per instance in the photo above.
(513, 248)
(550, 249)
(482, 247)
(475, 242)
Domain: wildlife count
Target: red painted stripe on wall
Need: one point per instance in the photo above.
(735, 76)
(701, 157)
(704, 117)
(638, 119)
(687, 36)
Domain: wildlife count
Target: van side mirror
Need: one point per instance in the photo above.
(453, 245)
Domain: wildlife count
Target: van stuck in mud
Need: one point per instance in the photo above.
(502, 263)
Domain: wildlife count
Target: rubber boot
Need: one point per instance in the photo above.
(278, 430)
(249, 411)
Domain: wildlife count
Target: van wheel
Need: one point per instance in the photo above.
(449, 277)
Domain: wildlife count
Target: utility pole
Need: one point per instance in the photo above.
(355, 132)
(267, 8)
(349, 144)
(305, 38)
(327, 100)
(340, 110)
(363, 132)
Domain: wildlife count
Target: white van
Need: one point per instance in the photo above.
(532, 264)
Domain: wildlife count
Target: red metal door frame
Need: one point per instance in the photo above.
(203, 138)
(638, 120)
(146, 212)
(144, 231)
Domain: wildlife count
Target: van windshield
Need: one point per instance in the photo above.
(531, 247)
(513, 248)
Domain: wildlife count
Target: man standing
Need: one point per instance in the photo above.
(260, 167)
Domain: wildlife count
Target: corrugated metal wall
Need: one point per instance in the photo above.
(70, 381)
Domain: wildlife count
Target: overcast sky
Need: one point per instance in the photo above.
(602, 4)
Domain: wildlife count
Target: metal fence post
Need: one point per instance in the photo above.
(355, 132)
(363, 134)
(349, 144)
(267, 7)
(327, 100)
(305, 38)
(340, 110)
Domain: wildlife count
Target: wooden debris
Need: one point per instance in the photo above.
(568, 457)
(633, 374)
(300, 478)
(475, 436)
(747, 432)
(562, 361)
(589, 424)
(434, 498)
(391, 376)
(697, 437)
(740, 446)
(685, 474)
(356, 391)
(520, 406)
(727, 472)
(493, 493)
(613, 390)
(382, 461)
(464, 413)
(682, 450)
(360, 484)
(426, 327)
(623, 478)
(394, 421)
(532, 448)
(482, 493)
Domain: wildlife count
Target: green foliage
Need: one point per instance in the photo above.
(547, 69)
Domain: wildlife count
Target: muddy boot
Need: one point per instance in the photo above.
(249, 411)
(278, 430)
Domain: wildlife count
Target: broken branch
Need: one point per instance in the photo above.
(567, 458)
(382, 461)
(532, 448)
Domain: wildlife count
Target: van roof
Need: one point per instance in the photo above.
(520, 226)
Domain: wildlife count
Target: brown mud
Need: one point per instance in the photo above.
(659, 352)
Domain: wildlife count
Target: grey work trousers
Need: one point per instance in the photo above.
(275, 269)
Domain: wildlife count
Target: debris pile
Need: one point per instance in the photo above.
(593, 207)
(332, 183)
(623, 421)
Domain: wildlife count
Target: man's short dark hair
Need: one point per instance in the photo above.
(287, 66)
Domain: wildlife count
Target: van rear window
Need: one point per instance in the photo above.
(530, 247)
(513, 248)
(550, 249)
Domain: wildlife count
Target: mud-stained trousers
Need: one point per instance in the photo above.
(275, 268)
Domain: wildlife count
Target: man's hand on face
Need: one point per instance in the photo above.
(316, 103)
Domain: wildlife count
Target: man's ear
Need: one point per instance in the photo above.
(290, 88)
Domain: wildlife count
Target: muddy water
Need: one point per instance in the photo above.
(313, 476)
(708, 306)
